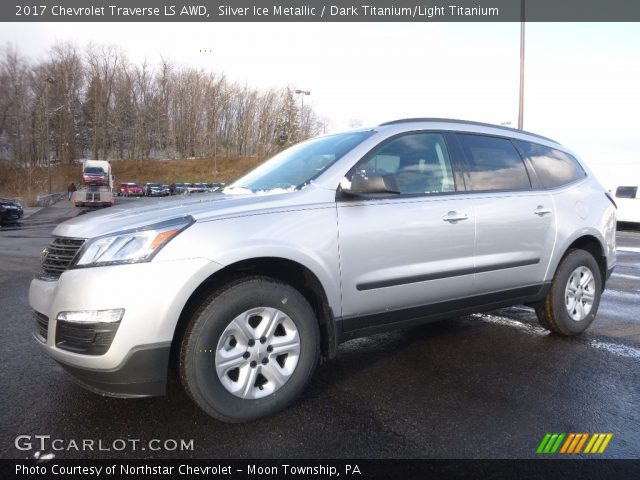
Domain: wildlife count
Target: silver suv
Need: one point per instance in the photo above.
(335, 238)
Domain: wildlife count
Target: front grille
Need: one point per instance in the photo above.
(59, 255)
(42, 324)
(86, 338)
(93, 197)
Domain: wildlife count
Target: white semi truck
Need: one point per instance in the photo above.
(97, 185)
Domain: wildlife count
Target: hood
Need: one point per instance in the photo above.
(204, 207)
(8, 201)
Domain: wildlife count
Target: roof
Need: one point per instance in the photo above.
(466, 122)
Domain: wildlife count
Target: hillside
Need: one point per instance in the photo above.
(26, 184)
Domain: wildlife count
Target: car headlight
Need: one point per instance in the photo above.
(131, 246)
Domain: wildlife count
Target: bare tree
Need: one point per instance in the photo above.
(103, 62)
(65, 74)
(15, 106)
(99, 104)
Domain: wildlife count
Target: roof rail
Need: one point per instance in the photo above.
(466, 122)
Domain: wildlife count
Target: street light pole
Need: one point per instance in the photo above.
(521, 96)
(302, 93)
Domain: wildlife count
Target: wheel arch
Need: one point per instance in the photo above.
(287, 271)
(591, 244)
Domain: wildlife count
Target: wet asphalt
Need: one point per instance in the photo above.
(481, 386)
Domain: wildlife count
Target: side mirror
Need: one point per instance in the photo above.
(366, 184)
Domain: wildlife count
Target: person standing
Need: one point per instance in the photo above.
(70, 189)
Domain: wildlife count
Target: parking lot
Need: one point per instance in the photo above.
(481, 386)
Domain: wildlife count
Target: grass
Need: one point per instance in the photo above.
(25, 184)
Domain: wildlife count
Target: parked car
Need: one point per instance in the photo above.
(130, 189)
(178, 188)
(628, 200)
(10, 211)
(196, 188)
(213, 187)
(95, 176)
(156, 190)
(335, 238)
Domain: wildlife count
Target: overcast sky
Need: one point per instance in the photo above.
(582, 84)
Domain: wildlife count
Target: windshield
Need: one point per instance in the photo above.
(297, 166)
(94, 170)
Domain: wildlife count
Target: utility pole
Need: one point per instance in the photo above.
(521, 96)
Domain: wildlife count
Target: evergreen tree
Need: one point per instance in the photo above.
(287, 124)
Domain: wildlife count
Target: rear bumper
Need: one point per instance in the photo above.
(143, 373)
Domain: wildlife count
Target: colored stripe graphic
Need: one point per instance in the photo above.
(594, 437)
(605, 443)
(550, 443)
(543, 443)
(598, 443)
(568, 442)
(582, 442)
(573, 443)
(596, 447)
(555, 447)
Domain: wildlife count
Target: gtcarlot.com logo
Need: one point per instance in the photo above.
(45, 443)
(574, 443)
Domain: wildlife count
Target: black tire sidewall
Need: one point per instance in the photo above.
(199, 367)
(571, 262)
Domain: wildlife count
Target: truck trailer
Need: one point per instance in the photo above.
(97, 185)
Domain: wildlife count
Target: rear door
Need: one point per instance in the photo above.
(515, 219)
(410, 249)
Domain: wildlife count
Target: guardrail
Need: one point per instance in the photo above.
(49, 198)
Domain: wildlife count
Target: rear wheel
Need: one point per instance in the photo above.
(250, 350)
(572, 303)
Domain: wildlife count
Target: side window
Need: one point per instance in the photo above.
(419, 161)
(626, 192)
(493, 163)
(553, 167)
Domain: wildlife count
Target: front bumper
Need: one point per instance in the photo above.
(152, 295)
(142, 374)
(12, 215)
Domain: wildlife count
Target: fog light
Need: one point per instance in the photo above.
(92, 316)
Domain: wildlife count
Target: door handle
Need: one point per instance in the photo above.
(453, 217)
(540, 211)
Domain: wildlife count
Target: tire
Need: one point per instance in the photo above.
(574, 297)
(257, 379)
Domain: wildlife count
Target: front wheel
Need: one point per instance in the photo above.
(572, 303)
(249, 350)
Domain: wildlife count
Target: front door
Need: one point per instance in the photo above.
(409, 249)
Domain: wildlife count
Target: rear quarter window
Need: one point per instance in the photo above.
(553, 167)
(493, 163)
